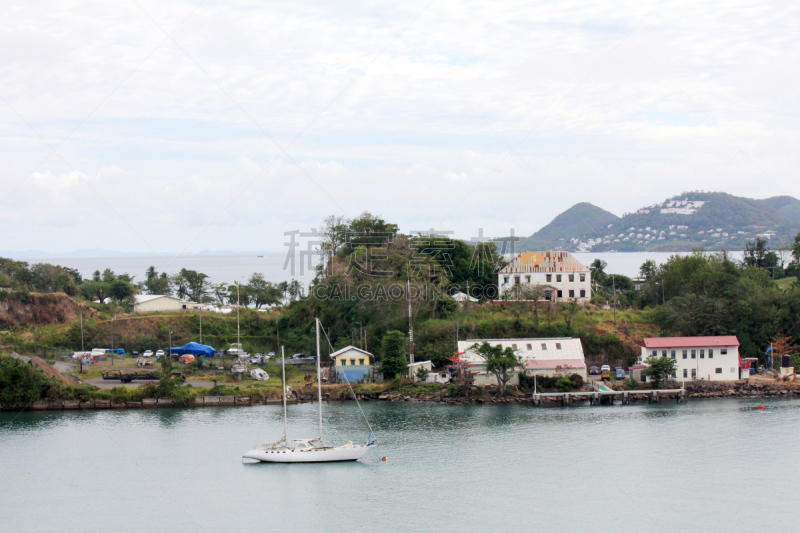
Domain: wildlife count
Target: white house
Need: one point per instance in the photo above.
(706, 358)
(547, 357)
(559, 274)
(144, 303)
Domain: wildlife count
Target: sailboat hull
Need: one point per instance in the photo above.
(307, 455)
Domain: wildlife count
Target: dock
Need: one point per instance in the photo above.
(599, 397)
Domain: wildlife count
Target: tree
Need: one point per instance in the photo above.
(660, 369)
(393, 354)
(570, 310)
(120, 290)
(648, 269)
(422, 373)
(598, 268)
(20, 383)
(501, 362)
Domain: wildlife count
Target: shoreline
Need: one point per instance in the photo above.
(735, 390)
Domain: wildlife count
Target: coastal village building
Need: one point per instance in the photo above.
(541, 357)
(352, 364)
(559, 275)
(698, 358)
(147, 303)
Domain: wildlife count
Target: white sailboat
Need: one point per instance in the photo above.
(306, 450)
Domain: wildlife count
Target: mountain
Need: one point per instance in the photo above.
(581, 220)
(711, 220)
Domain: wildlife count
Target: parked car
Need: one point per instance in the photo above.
(605, 372)
(619, 373)
(134, 354)
(148, 353)
(594, 371)
(159, 354)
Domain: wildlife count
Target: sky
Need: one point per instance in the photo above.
(145, 126)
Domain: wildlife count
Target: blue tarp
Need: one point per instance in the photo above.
(194, 349)
(118, 351)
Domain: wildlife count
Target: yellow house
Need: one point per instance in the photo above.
(352, 364)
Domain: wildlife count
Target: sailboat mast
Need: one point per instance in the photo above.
(319, 381)
(283, 378)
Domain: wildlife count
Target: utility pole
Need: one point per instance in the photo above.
(614, 288)
(201, 324)
(82, 349)
(410, 327)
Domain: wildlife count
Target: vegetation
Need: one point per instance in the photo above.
(499, 361)
(393, 352)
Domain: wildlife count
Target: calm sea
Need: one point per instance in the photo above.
(710, 466)
(273, 265)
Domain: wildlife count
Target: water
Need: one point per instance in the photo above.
(715, 465)
(239, 267)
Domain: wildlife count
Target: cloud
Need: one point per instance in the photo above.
(476, 116)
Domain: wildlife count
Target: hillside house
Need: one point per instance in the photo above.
(558, 274)
(542, 357)
(148, 303)
(698, 358)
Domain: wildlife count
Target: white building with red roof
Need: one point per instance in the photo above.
(698, 358)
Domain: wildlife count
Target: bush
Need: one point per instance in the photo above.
(565, 384)
(632, 384)
(452, 390)
(183, 394)
(120, 394)
(526, 383)
(577, 380)
(479, 391)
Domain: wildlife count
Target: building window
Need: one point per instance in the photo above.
(361, 362)
(530, 348)
(694, 373)
(694, 354)
(527, 279)
(724, 351)
(702, 354)
(343, 362)
(663, 353)
(571, 293)
(583, 293)
(711, 354)
(685, 373)
(583, 277)
(544, 347)
(549, 277)
(560, 294)
(516, 280)
(684, 354)
(673, 354)
(514, 346)
(558, 346)
(655, 353)
(352, 362)
(558, 277)
(718, 371)
(572, 277)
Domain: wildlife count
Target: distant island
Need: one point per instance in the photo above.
(711, 220)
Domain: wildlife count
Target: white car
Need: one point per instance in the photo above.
(148, 353)
(159, 353)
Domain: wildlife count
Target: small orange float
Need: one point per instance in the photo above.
(383, 458)
(761, 407)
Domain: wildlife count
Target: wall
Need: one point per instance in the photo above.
(705, 367)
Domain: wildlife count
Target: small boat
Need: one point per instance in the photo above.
(306, 450)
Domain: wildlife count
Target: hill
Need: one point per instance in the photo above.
(712, 220)
(583, 220)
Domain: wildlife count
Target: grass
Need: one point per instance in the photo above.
(785, 283)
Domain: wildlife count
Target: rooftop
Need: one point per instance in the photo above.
(689, 342)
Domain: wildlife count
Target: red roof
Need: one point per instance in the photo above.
(689, 342)
(537, 364)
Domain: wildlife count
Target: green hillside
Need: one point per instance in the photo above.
(786, 206)
(712, 220)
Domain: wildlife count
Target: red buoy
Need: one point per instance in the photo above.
(760, 407)
(383, 458)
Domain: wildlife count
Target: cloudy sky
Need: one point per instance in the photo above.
(147, 126)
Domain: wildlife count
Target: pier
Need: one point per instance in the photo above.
(609, 396)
